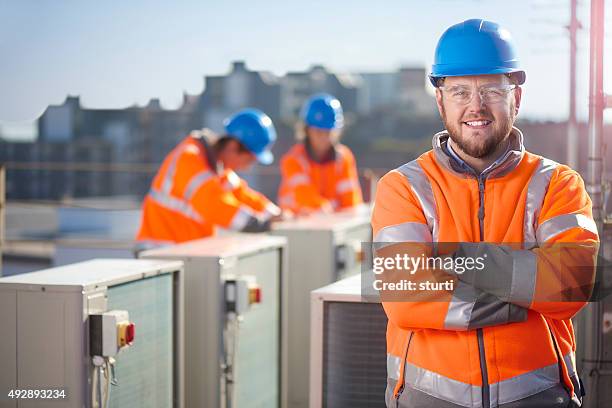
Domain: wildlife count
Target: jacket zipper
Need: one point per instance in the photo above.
(479, 332)
(403, 379)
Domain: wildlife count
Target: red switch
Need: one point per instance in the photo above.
(130, 333)
(254, 295)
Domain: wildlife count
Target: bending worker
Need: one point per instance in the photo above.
(502, 337)
(320, 174)
(197, 190)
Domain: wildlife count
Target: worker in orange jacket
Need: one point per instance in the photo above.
(319, 174)
(502, 337)
(197, 190)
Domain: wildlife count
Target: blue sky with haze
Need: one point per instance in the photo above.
(116, 54)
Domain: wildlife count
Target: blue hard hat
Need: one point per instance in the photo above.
(475, 47)
(254, 129)
(323, 111)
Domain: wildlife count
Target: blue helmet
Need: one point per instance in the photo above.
(323, 111)
(475, 47)
(254, 129)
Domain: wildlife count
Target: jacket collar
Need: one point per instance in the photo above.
(502, 166)
(329, 157)
(207, 150)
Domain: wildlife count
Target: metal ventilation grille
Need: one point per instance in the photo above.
(145, 370)
(354, 355)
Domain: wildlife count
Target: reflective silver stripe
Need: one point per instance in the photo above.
(536, 190)
(232, 181)
(344, 186)
(570, 359)
(298, 179)
(196, 182)
(271, 210)
(169, 177)
(405, 232)
(393, 366)
(561, 223)
(241, 218)
(460, 309)
(524, 272)
(175, 204)
(467, 395)
(442, 387)
(422, 190)
(524, 385)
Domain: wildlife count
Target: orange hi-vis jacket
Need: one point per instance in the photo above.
(466, 347)
(189, 197)
(309, 186)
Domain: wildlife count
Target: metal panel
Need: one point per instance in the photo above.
(8, 347)
(51, 346)
(354, 355)
(144, 370)
(258, 355)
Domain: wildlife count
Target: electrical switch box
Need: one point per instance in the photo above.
(109, 332)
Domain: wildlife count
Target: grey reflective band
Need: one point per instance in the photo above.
(421, 187)
(196, 182)
(569, 359)
(524, 385)
(467, 395)
(524, 273)
(175, 204)
(344, 186)
(561, 223)
(459, 312)
(393, 366)
(536, 191)
(241, 218)
(169, 177)
(405, 232)
(232, 181)
(298, 179)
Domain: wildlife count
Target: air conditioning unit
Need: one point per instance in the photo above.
(68, 332)
(348, 349)
(322, 249)
(233, 313)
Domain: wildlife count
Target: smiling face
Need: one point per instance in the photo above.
(478, 128)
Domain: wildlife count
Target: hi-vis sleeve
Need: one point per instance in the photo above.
(404, 221)
(554, 273)
(255, 200)
(348, 189)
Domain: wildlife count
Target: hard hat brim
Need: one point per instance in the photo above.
(518, 74)
(265, 157)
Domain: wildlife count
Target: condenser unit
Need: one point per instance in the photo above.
(73, 329)
(322, 249)
(348, 349)
(233, 314)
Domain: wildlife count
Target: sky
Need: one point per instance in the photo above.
(116, 54)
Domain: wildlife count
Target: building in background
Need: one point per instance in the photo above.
(121, 142)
